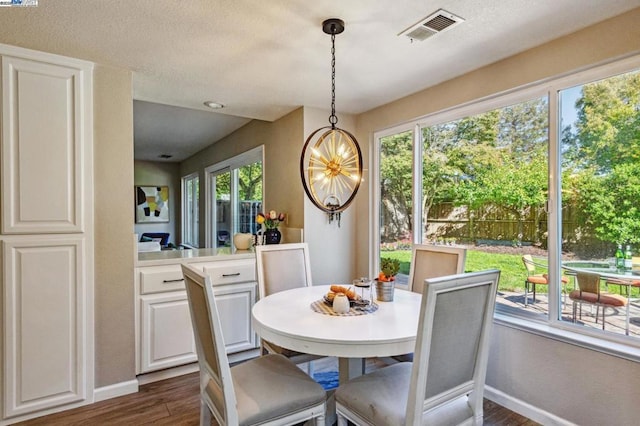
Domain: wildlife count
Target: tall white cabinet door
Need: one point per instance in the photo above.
(46, 214)
(45, 315)
(43, 126)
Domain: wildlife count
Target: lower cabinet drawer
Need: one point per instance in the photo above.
(229, 272)
(160, 279)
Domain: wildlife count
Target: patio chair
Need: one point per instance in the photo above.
(445, 383)
(265, 390)
(534, 278)
(588, 291)
(282, 267)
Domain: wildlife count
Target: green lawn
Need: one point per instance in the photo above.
(512, 269)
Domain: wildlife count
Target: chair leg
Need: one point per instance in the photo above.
(320, 421)
(575, 308)
(205, 414)
(526, 292)
(603, 309)
(534, 293)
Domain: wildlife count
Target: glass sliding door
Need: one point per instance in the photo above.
(235, 196)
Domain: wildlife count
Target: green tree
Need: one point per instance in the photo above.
(601, 157)
(607, 131)
(396, 153)
(609, 203)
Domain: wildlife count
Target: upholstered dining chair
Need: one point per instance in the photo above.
(244, 394)
(588, 291)
(283, 267)
(445, 383)
(431, 261)
(534, 278)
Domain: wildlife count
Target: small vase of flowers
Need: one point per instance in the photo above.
(271, 221)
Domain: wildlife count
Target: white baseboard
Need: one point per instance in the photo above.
(155, 376)
(524, 408)
(115, 390)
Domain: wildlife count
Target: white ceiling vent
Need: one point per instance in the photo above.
(435, 23)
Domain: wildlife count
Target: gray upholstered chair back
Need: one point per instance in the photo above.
(430, 261)
(212, 356)
(452, 344)
(282, 267)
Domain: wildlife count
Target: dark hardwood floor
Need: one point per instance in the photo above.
(176, 402)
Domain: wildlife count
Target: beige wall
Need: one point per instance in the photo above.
(577, 384)
(113, 159)
(280, 140)
(152, 173)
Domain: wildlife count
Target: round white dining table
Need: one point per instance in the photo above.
(287, 319)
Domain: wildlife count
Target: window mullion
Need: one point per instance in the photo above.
(417, 184)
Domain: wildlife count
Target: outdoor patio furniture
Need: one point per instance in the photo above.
(534, 278)
(588, 291)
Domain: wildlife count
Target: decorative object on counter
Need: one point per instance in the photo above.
(385, 283)
(242, 241)
(271, 221)
(331, 161)
(152, 204)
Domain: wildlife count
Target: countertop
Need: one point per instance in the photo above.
(167, 257)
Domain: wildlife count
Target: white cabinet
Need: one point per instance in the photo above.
(234, 304)
(164, 334)
(166, 331)
(46, 178)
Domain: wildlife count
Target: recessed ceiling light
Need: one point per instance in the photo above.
(214, 105)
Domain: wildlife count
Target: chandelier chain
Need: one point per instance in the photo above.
(333, 119)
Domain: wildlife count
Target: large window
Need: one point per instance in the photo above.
(190, 209)
(540, 182)
(234, 197)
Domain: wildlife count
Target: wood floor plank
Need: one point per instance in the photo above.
(175, 402)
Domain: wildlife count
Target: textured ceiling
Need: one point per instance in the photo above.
(262, 59)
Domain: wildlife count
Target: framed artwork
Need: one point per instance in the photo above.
(152, 204)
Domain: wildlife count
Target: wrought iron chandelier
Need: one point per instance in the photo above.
(331, 161)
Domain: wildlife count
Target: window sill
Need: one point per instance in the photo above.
(567, 335)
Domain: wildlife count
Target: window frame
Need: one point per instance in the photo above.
(552, 326)
(194, 208)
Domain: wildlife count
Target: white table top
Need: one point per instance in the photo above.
(286, 319)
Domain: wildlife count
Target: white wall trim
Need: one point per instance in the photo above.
(534, 413)
(169, 373)
(115, 390)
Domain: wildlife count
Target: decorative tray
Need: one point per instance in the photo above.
(352, 303)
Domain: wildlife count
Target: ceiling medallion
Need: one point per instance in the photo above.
(331, 161)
